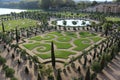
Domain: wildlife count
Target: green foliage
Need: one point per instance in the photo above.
(96, 67)
(5, 67)
(52, 54)
(9, 72)
(83, 22)
(93, 76)
(64, 22)
(2, 60)
(35, 59)
(74, 22)
(87, 76)
(54, 22)
(13, 78)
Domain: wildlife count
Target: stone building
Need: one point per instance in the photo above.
(105, 8)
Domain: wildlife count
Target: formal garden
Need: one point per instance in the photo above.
(66, 43)
(33, 49)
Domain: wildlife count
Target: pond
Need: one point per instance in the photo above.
(73, 22)
(8, 11)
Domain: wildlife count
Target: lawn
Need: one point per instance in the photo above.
(44, 48)
(20, 23)
(58, 54)
(57, 33)
(65, 43)
(96, 39)
(31, 46)
(36, 38)
(87, 34)
(64, 39)
(61, 45)
(113, 18)
(82, 44)
(71, 34)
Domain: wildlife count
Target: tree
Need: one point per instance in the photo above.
(64, 23)
(2, 60)
(87, 76)
(52, 54)
(79, 69)
(26, 70)
(9, 72)
(39, 77)
(46, 4)
(13, 78)
(94, 3)
(17, 37)
(58, 74)
(96, 67)
(103, 62)
(117, 0)
(3, 29)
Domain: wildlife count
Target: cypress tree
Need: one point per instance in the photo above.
(59, 75)
(102, 62)
(52, 54)
(17, 38)
(87, 76)
(39, 77)
(3, 29)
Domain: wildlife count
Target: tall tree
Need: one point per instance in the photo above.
(46, 4)
(3, 29)
(17, 37)
(52, 54)
(87, 76)
(58, 74)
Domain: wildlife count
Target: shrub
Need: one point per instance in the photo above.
(2, 60)
(13, 78)
(96, 67)
(9, 72)
(83, 22)
(74, 22)
(64, 22)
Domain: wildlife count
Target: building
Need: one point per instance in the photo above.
(105, 8)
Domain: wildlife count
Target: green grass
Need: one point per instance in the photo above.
(71, 34)
(48, 37)
(58, 54)
(57, 33)
(64, 39)
(61, 45)
(87, 34)
(36, 38)
(20, 23)
(31, 46)
(44, 48)
(96, 39)
(113, 18)
(81, 44)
